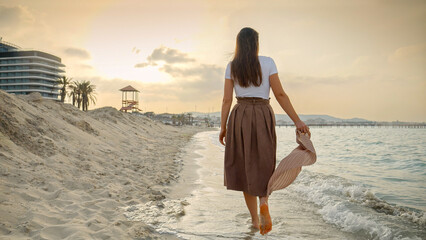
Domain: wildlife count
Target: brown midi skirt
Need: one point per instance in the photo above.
(250, 150)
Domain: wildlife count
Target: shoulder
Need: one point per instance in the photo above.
(269, 64)
(228, 70)
(229, 64)
(266, 60)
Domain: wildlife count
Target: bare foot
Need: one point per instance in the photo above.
(265, 219)
(255, 225)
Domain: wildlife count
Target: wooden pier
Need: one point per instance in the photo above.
(360, 124)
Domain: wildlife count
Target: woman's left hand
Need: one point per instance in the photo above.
(301, 126)
(222, 135)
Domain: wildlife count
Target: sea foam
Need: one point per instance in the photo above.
(355, 208)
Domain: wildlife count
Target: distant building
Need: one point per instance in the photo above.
(27, 71)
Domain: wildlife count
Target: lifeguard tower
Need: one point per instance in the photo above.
(129, 99)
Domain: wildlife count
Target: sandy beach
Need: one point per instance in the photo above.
(67, 174)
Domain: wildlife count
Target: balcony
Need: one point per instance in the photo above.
(31, 70)
(31, 64)
(53, 62)
(29, 77)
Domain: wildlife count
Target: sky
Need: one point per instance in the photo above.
(353, 58)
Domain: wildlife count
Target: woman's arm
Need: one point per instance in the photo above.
(226, 106)
(285, 103)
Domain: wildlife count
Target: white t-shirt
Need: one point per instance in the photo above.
(268, 67)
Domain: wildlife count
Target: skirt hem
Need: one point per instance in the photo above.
(246, 191)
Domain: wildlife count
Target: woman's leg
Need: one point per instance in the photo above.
(263, 200)
(251, 202)
(265, 218)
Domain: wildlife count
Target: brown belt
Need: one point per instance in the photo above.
(252, 100)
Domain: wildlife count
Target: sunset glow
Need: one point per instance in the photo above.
(346, 59)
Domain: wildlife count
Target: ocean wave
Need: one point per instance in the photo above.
(355, 208)
(370, 200)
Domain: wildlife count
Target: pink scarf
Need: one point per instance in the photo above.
(290, 167)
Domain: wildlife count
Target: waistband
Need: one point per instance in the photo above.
(252, 100)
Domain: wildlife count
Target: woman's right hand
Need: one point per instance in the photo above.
(301, 126)
(222, 135)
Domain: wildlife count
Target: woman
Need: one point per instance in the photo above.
(250, 149)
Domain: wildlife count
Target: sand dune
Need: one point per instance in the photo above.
(65, 173)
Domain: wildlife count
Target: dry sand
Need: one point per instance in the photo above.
(66, 174)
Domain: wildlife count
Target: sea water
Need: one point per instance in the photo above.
(367, 183)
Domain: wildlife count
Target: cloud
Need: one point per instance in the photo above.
(408, 62)
(169, 55)
(135, 50)
(11, 17)
(409, 53)
(196, 82)
(86, 66)
(77, 52)
(193, 81)
(141, 65)
(144, 64)
(24, 26)
(164, 54)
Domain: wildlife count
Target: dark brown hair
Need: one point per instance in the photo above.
(245, 67)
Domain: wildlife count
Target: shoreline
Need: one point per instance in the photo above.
(159, 213)
(316, 205)
(67, 173)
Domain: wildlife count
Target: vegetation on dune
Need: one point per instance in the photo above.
(63, 82)
(82, 93)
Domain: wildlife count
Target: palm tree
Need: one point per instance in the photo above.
(87, 94)
(78, 93)
(72, 94)
(63, 82)
(74, 88)
(190, 118)
(82, 93)
(181, 119)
